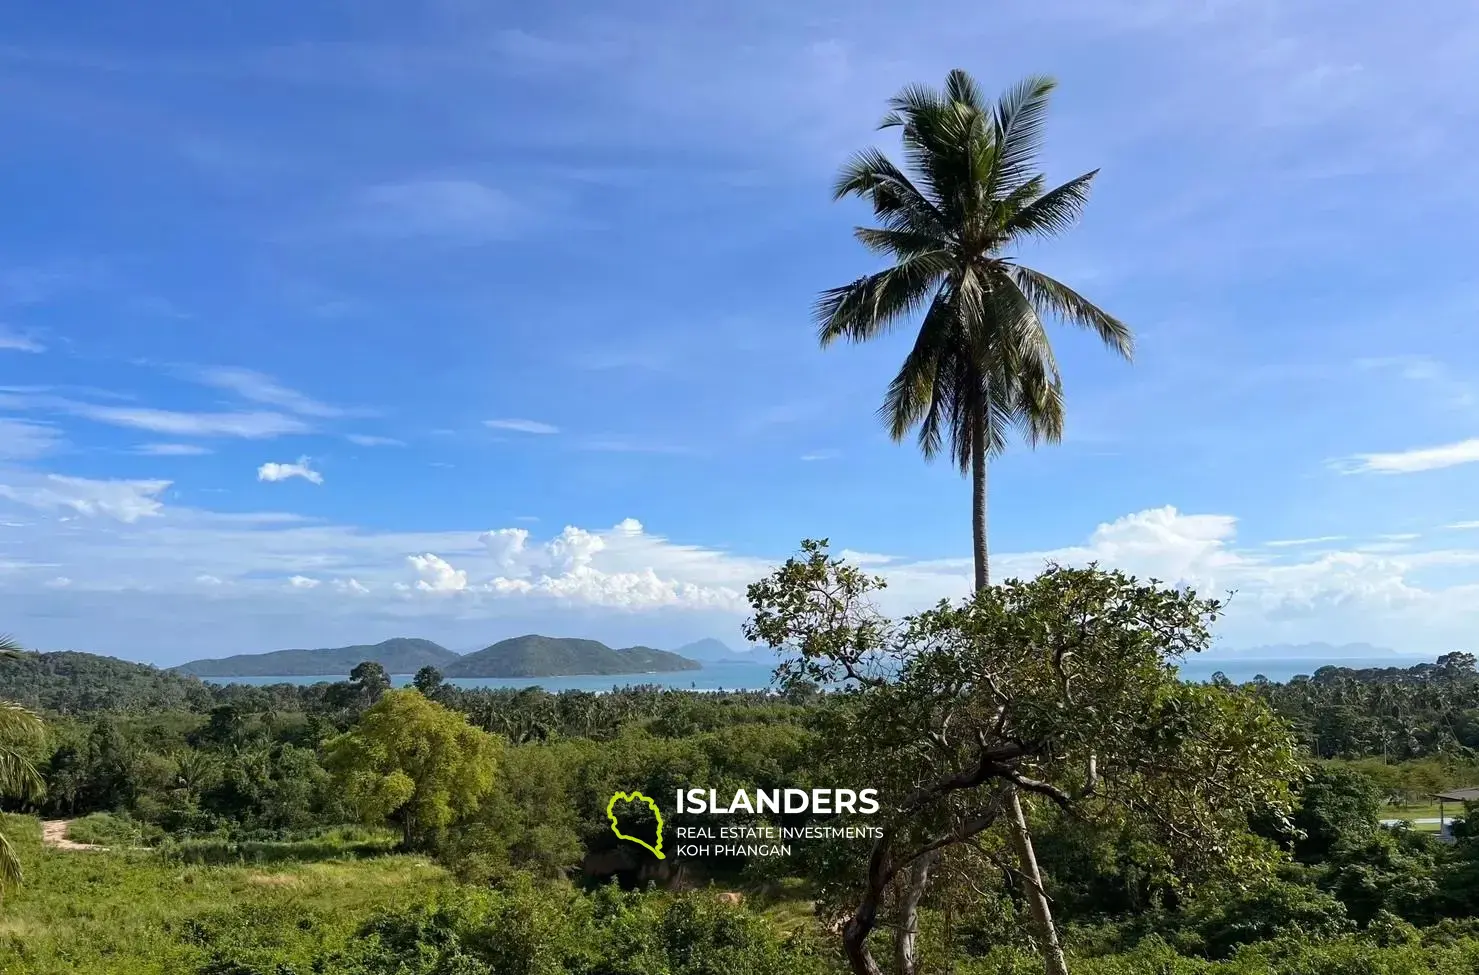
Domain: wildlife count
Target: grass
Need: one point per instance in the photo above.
(130, 912)
(105, 829)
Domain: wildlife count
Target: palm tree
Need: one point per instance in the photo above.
(981, 363)
(18, 777)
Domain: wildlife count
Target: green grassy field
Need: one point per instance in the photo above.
(131, 912)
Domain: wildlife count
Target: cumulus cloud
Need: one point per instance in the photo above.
(126, 501)
(437, 575)
(303, 582)
(522, 426)
(505, 545)
(282, 472)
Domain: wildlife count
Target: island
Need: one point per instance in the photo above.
(544, 656)
(401, 655)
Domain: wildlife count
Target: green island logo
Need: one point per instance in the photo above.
(615, 828)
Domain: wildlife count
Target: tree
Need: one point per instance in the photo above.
(415, 763)
(428, 681)
(982, 362)
(1062, 689)
(19, 727)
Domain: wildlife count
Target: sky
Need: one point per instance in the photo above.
(322, 323)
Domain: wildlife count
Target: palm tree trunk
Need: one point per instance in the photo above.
(1032, 890)
(978, 500)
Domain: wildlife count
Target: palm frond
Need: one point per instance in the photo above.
(1021, 114)
(10, 865)
(1054, 211)
(873, 303)
(9, 646)
(900, 243)
(871, 175)
(962, 89)
(912, 395)
(19, 778)
(1063, 302)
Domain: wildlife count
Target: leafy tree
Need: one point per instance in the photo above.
(413, 762)
(982, 362)
(19, 729)
(428, 681)
(1337, 806)
(1062, 689)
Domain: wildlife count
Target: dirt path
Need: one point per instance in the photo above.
(54, 833)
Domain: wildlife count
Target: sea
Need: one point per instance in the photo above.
(742, 675)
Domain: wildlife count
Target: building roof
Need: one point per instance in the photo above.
(1458, 795)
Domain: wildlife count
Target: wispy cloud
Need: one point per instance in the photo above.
(1413, 461)
(126, 501)
(171, 450)
(369, 440)
(1297, 542)
(25, 440)
(281, 472)
(18, 342)
(248, 425)
(815, 455)
(260, 388)
(522, 426)
(619, 445)
(460, 210)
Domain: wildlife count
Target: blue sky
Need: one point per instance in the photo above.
(322, 323)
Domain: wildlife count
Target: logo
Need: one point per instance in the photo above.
(616, 828)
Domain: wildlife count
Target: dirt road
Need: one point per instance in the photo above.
(54, 833)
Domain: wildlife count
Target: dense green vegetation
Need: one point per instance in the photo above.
(401, 655)
(243, 824)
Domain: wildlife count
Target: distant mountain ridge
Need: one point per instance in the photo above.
(400, 655)
(544, 656)
(711, 650)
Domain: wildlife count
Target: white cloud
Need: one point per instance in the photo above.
(505, 545)
(437, 575)
(1415, 460)
(16, 342)
(351, 586)
(25, 440)
(172, 450)
(574, 548)
(260, 388)
(1301, 542)
(126, 501)
(250, 426)
(816, 455)
(522, 426)
(369, 440)
(304, 582)
(272, 471)
(1463, 525)
(209, 580)
(60, 582)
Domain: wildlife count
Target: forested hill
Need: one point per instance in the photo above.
(398, 656)
(543, 656)
(79, 683)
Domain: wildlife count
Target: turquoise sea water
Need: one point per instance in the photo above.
(748, 675)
